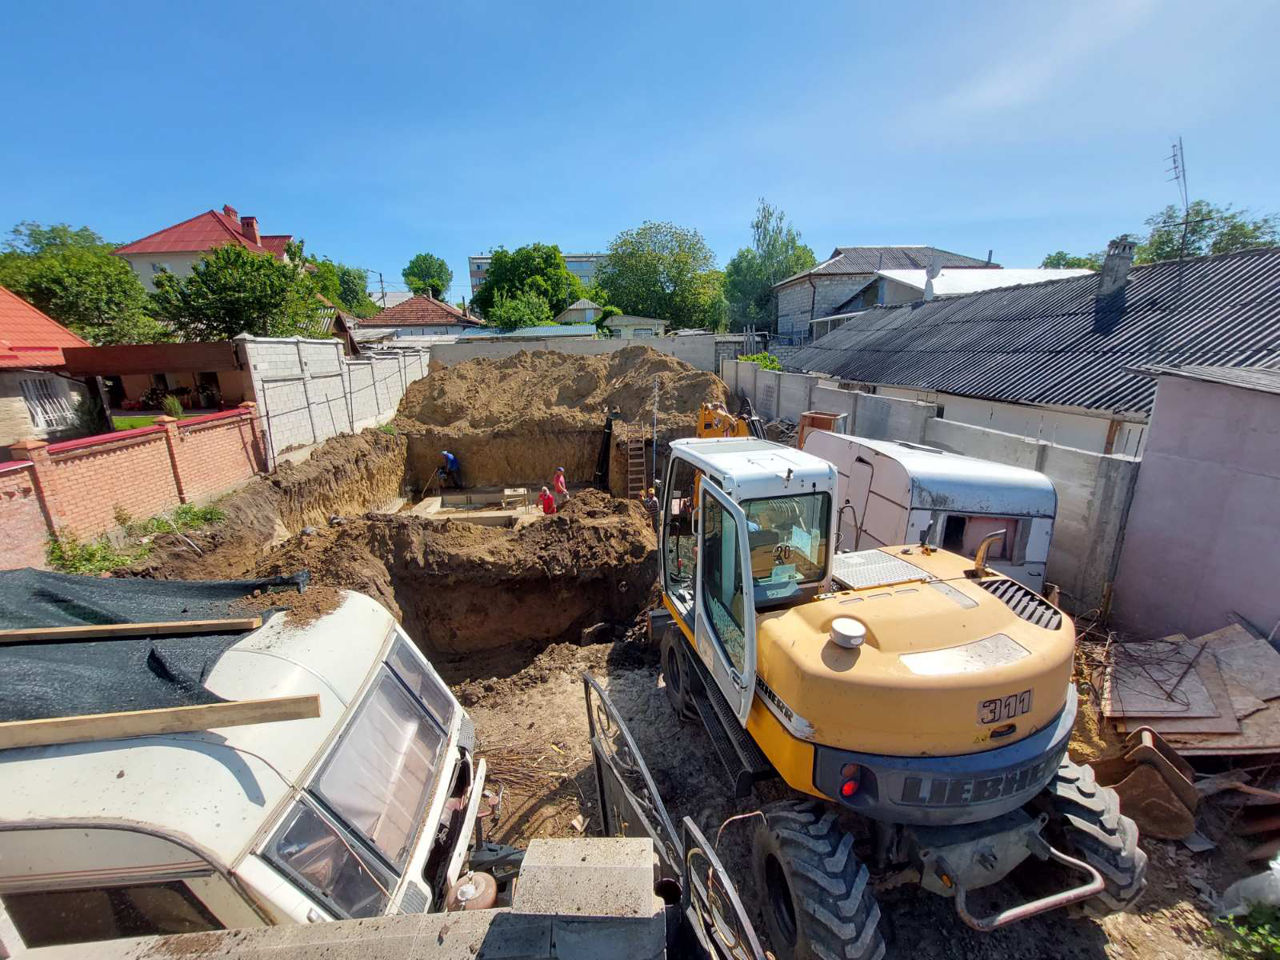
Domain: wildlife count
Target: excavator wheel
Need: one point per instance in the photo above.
(675, 675)
(817, 903)
(1087, 822)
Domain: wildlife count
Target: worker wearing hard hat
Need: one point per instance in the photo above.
(450, 470)
(561, 488)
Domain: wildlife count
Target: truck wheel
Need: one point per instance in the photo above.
(674, 676)
(1088, 823)
(816, 901)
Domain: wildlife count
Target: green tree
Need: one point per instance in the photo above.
(343, 286)
(775, 254)
(523, 309)
(1210, 229)
(71, 275)
(538, 268)
(427, 273)
(232, 291)
(1061, 260)
(664, 271)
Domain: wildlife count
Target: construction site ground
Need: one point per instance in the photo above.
(512, 616)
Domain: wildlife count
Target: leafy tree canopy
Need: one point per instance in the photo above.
(427, 273)
(1061, 260)
(525, 309)
(343, 286)
(71, 275)
(664, 271)
(538, 268)
(775, 254)
(1210, 229)
(232, 291)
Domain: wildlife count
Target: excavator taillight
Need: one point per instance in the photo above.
(849, 774)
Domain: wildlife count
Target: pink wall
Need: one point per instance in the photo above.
(1203, 533)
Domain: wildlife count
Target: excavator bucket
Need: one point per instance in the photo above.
(1156, 786)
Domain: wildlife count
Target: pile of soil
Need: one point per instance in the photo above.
(348, 474)
(461, 587)
(513, 421)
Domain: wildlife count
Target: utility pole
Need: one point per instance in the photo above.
(382, 287)
(653, 473)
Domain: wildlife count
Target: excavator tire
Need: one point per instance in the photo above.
(675, 675)
(817, 901)
(1087, 822)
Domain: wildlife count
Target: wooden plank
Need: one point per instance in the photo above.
(1156, 678)
(1259, 733)
(144, 723)
(112, 631)
(1245, 659)
(1224, 722)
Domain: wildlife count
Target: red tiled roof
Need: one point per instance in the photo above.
(420, 311)
(203, 232)
(28, 338)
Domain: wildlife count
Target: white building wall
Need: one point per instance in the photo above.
(179, 264)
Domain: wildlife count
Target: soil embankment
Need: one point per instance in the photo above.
(461, 588)
(348, 474)
(513, 421)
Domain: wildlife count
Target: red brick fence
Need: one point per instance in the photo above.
(80, 486)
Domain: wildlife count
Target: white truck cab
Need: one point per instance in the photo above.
(891, 492)
(366, 810)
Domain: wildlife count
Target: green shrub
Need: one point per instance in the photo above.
(172, 406)
(69, 555)
(389, 428)
(184, 518)
(1256, 934)
(766, 361)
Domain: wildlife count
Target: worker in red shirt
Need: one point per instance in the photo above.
(547, 500)
(561, 488)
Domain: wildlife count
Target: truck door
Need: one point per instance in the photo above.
(724, 611)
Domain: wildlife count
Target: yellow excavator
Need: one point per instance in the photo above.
(916, 704)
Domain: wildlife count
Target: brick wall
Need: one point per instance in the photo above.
(23, 527)
(81, 486)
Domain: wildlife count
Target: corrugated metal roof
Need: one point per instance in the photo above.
(1058, 343)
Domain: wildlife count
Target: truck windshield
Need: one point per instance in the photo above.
(788, 538)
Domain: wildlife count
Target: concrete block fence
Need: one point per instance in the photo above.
(79, 487)
(308, 391)
(1094, 490)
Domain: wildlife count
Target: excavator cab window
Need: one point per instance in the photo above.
(788, 538)
(722, 580)
(679, 543)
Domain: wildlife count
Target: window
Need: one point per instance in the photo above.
(722, 579)
(315, 852)
(160, 268)
(422, 682)
(680, 557)
(47, 918)
(48, 404)
(788, 538)
(378, 778)
(964, 534)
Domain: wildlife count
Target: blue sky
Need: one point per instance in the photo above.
(377, 131)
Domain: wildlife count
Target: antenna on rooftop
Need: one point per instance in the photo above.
(1178, 169)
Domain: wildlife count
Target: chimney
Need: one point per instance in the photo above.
(229, 211)
(249, 227)
(1115, 269)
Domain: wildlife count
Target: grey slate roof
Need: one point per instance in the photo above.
(1262, 379)
(1057, 343)
(846, 260)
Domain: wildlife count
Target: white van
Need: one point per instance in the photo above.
(365, 810)
(891, 492)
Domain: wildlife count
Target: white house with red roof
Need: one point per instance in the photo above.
(419, 316)
(178, 248)
(34, 401)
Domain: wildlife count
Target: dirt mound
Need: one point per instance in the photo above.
(348, 474)
(461, 587)
(569, 390)
(513, 421)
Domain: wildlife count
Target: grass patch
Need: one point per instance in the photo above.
(69, 554)
(389, 428)
(132, 423)
(1256, 934)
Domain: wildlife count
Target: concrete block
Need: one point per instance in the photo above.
(590, 877)
(888, 418)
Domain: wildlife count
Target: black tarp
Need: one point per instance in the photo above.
(39, 680)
